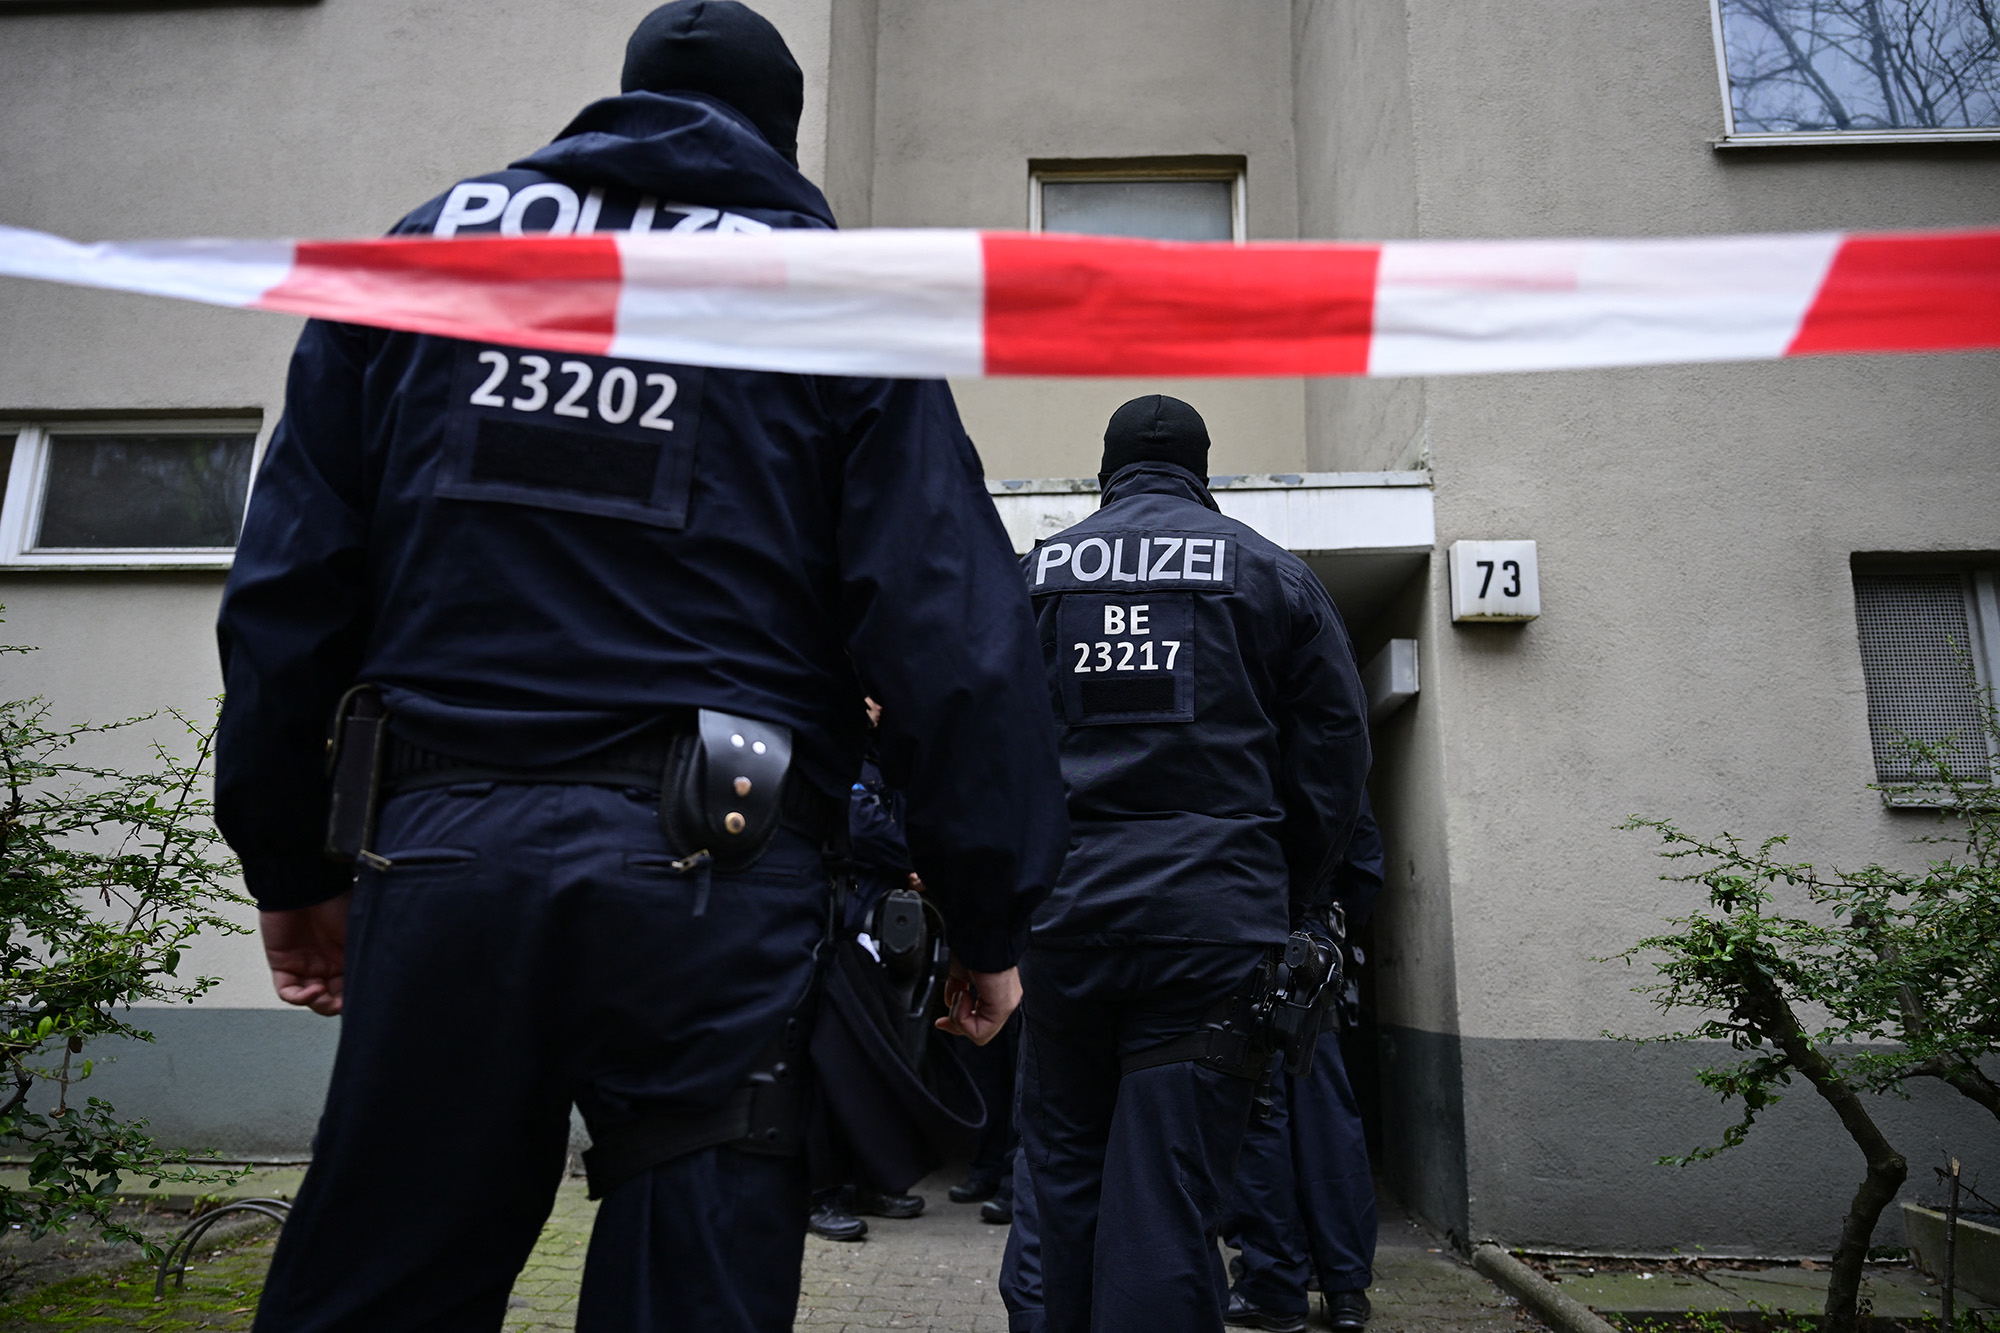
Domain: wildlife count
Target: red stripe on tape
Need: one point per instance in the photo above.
(1927, 293)
(1061, 305)
(559, 292)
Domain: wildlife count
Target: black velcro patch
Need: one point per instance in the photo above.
(519, 453)
(1128, 696)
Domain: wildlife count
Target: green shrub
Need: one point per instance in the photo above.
(105, 877)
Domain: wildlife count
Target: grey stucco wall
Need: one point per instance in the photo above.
(246, 1082)
(1573, 1162)
(1696, 653)
(1357, 181)
(850, 111)
(967, 94)
(1695, 659)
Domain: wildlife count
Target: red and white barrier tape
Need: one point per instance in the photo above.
(920, 303)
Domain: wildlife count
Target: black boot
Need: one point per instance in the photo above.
(1240, 1313)
(831, 1220)
(888, 1205)
(977, 1187)
(1347, 1311)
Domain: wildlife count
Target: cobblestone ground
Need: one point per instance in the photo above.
(545, 1293)
(935, 1272)
(932, 1272)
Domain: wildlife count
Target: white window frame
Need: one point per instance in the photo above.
(1819, 138)
(1093, 170)
(27, 480)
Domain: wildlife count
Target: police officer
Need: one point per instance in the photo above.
(564, 573)
(880, 853)
(1304, 1200)
(1214, 746)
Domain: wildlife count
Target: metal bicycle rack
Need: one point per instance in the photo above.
(275, 1209)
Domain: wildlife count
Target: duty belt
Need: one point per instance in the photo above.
(638, 762)
(1226, 1041)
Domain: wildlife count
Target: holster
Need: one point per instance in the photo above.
(354, 756)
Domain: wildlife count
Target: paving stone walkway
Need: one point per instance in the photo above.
(934, 1272)
(938, 1272)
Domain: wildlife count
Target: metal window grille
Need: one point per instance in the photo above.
(1917, 655)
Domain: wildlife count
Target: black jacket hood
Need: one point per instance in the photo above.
(686, 148)
(1156, 478)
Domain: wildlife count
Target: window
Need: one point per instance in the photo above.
(1868, 71)
(1923, 629)
(125, 493)
(1170, 199)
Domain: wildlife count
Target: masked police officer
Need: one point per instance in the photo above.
(1304, 1199)
(1214, 745)
(620, 618)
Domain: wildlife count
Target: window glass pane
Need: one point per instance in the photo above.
(113, 491)
(1915, 642)
(1797, 65)
(1164, 210)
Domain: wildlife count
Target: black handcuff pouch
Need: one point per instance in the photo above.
(723, 789)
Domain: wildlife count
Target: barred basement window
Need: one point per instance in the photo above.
(1929, 639)
(125, 494)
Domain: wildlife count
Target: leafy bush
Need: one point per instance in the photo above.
(104, 878)
(1908, 961)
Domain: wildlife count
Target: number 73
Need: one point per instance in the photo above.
(1513, 567)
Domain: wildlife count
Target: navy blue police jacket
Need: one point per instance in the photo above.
(1358, 882)
(876, 814)
(1213, 729)
(535, 554)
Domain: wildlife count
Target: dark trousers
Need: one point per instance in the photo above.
(1304, 1200)
(1021, 1266)
(1128, 1173)
(993, 1068)
(530, 947)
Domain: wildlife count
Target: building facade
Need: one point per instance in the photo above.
(1705, 535)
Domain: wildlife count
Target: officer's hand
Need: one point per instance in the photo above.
(978, 1004)
(307, 952)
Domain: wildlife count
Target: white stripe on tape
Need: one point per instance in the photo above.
(1462, 307)
(833, 303)
(217, 272)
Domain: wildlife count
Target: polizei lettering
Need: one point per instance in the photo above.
(1197, 560)
(559, 210)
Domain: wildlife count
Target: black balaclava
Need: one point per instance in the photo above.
(727, 50)
(1155, 429)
